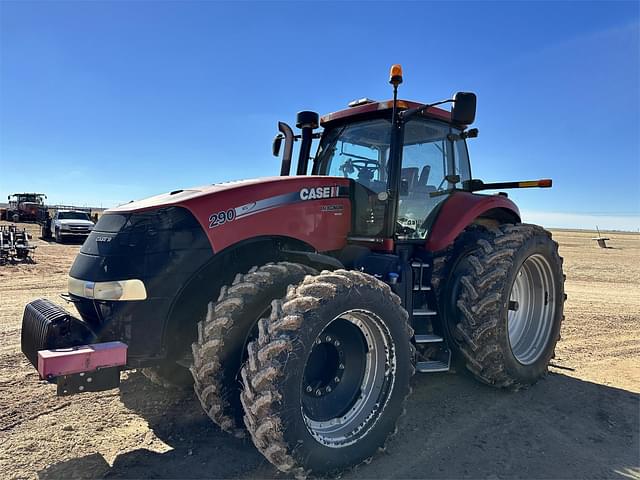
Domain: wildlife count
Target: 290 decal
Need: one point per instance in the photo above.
(220, 218)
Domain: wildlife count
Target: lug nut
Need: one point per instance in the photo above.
(337, 343)
(309, 389)
(341, 366)
(337, 379)
(328, 389)
(318, 393)
(328, 338)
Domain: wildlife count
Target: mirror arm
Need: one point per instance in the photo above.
(407, 114)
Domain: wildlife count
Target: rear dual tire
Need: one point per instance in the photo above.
(506, 297)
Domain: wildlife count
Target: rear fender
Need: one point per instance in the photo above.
(462, 209)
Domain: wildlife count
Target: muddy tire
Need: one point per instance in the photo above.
(509, 297)
(169, 375)
(223, 335)
(326, 381)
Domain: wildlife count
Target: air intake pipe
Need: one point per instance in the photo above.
(307, 122)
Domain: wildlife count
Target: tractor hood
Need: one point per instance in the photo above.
(178, 197)
(313, 209)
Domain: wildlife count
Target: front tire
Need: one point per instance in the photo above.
(223, 335)
(326, 381)
(509, 299)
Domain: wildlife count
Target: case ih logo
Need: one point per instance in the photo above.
(319, 192)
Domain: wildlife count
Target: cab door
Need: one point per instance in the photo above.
(429, 159)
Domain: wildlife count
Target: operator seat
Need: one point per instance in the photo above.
(410, 174)
(422, 189)
(424, 176)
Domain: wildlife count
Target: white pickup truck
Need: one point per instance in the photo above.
(70, 223)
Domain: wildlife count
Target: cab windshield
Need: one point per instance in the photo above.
(359, 151)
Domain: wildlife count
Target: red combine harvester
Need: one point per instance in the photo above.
(23, 207)
(298, 307)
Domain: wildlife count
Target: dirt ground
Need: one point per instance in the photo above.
(582, 421)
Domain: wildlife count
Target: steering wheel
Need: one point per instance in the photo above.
(360, 165)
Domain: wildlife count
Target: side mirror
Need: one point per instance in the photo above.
(277, 143)
(464, 108)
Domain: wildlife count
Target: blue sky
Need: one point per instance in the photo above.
(104, 102)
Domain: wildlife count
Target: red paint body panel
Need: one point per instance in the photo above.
(460, 210)
(83, 358)
(432, 112)
(304, 220)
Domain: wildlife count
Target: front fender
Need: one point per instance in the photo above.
(462, 209)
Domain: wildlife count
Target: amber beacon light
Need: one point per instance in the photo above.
(395, 75)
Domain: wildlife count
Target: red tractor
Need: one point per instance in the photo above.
(299, 307)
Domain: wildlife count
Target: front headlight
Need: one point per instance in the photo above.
(119, 290)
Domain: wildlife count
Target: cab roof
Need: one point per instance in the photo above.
(370, 107)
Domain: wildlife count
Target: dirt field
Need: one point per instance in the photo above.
(582, 421)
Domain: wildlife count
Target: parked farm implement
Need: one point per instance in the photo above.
(298, 307)
(14, 245)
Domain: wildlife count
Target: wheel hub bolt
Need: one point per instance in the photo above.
(309, 389)
(318, 393)
(328, 389)
(337, 379)
(328, 338)
(337, 343)
(341, 366)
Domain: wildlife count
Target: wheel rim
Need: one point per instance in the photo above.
(348, 378)
(531, 309)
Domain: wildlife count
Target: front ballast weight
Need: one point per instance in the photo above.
(62, 349)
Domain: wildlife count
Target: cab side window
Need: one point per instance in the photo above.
(462, 166)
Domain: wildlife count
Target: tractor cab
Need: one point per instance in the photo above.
(404, 158)
(431, 161)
